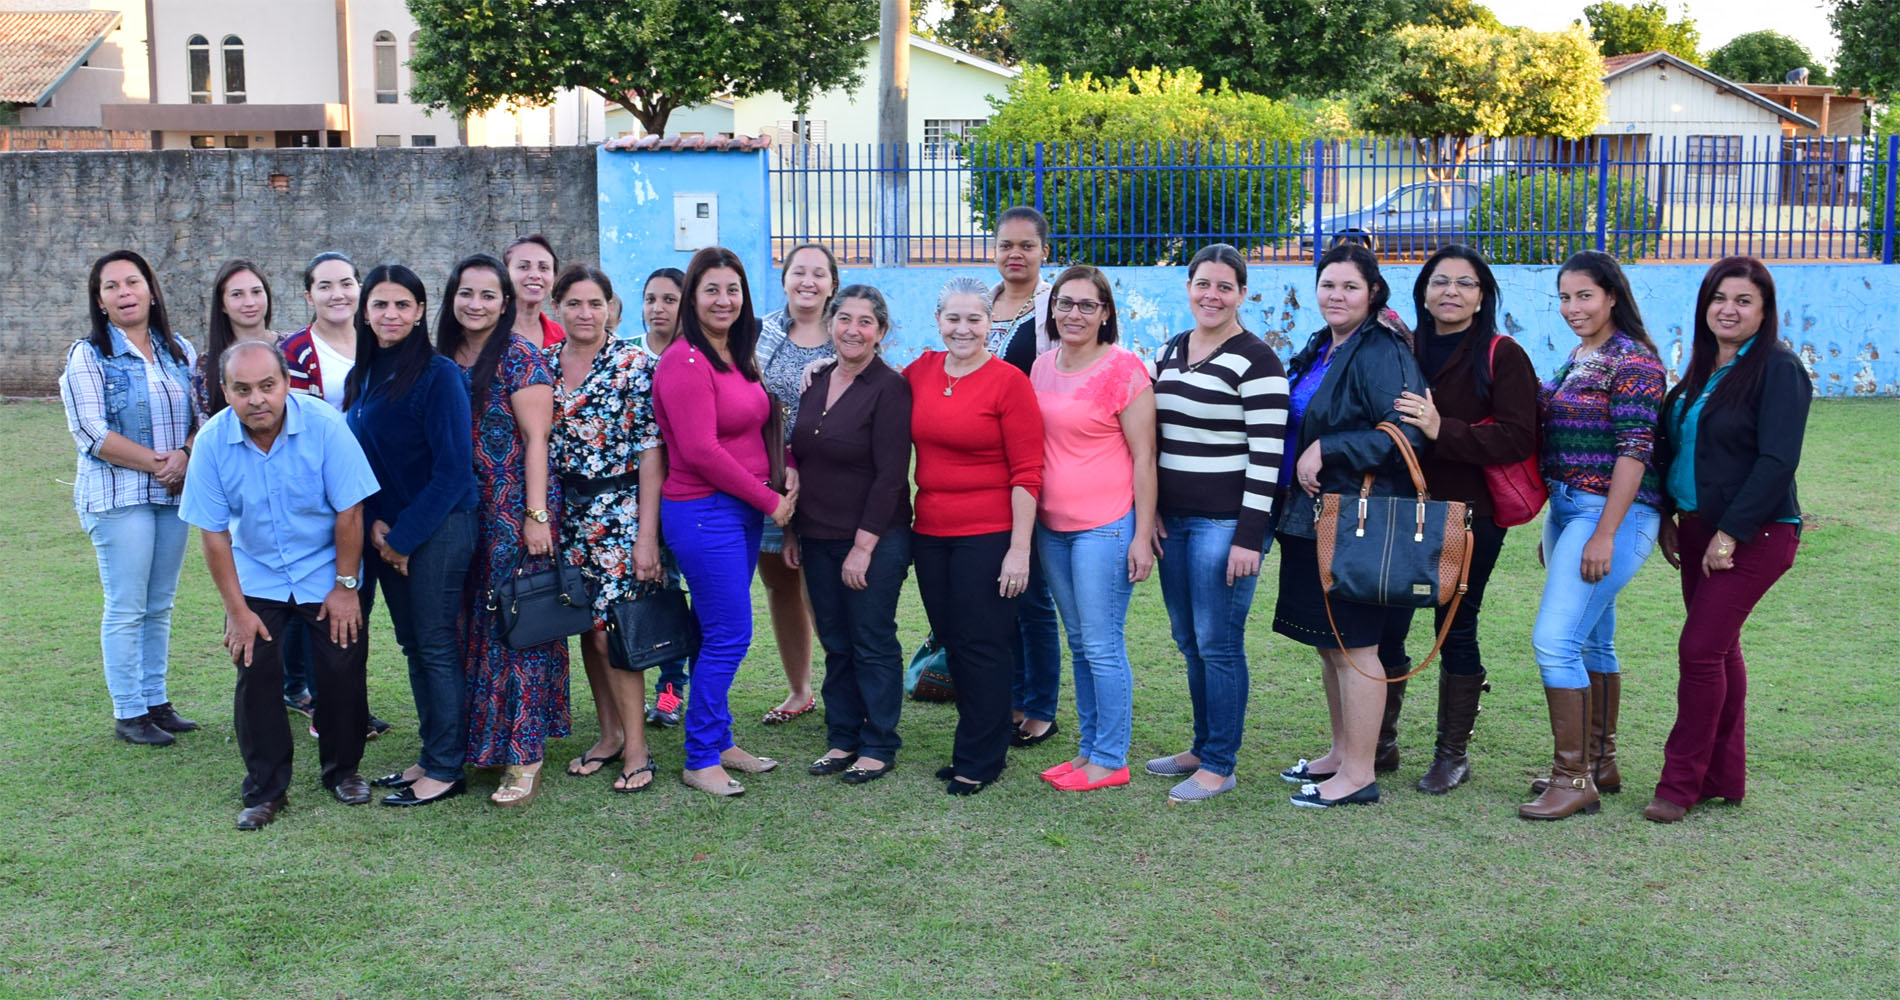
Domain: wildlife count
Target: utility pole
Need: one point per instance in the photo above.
(893, 135)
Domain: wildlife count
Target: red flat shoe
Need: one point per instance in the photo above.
(1057, 771)
(778, 716)
(1078, 781)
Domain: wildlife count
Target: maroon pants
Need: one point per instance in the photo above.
(1706, 756)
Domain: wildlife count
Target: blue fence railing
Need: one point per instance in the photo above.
(1686, 197)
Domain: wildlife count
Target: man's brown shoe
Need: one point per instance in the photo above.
(1661, 810)
(352, 791)
(260, 816)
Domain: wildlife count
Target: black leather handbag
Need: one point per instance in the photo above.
(656, 627)
(1393, 551)
(542, 605)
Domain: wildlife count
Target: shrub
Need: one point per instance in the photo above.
(1545, 216)
(1874, 186)
(1141, 170)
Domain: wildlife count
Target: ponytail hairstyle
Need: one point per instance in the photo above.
(449, 335)
(1605, 273)
(1367, 264)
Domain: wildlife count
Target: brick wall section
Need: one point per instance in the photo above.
(37, 138)
(188, 211)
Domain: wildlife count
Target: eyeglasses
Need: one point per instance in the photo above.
(1087, 307)
(1464, 284)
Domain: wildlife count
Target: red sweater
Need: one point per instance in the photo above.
(973, 446)
(713, 425)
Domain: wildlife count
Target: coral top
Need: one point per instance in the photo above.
(713, 424)
(1088, 470)
(975, 443)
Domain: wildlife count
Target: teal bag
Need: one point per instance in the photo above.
(927, 678)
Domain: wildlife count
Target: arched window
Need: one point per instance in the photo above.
(385, 68)
(233, 69)
(198, 69)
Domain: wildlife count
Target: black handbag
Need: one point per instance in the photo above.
(543, 605)
(1393, 551)
(656, 627)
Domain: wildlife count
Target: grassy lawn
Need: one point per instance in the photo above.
(121, 874)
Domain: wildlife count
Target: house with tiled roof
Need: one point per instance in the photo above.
(57, 66)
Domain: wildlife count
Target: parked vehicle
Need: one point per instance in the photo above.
(1418, 217)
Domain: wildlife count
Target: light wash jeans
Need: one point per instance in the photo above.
(141, 549)
(1088, 577)
(1209, 621)
(1576, 620)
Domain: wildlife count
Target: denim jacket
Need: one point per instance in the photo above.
(128, 403)
(108, 393)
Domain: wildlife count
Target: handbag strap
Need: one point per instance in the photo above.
(1405, 451)
(1451, 615)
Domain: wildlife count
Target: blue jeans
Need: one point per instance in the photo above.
(1576, 620)
(716, 540)
(423, 608)
(141, 549)
(1209, 621)
(864, 664)
(1088, 577)
(1037, 684)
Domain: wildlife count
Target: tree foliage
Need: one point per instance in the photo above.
(1128, 134)
(1452, 86)
(1545, 216)
(1764, 57)
(979, 27)
(654, 56)
(1642, 26)
(1869, 52)
(1874, 189)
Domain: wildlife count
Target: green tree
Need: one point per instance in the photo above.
(1642, 26)
(979, 27)
(1111, 150)
(1869, 52)
(1279, 48)
(1455, 14)
(1453, 87)
(654, 57)
(1545, 216)
(1764, 57)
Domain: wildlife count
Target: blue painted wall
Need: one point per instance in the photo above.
(635, 194)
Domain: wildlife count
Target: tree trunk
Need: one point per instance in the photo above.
(893, 124)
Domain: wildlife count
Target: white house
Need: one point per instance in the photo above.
(1714, 139)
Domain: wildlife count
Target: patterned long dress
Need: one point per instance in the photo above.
(600, 431)
(517, 698)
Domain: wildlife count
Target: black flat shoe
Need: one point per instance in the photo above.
(1300, 774)
(1310, 797)
(1023, 739)
(393, 781)
(865, 775)
(956, 787)
(407, 797)
(831, 765)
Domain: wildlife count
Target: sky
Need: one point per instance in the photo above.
(1718, 20)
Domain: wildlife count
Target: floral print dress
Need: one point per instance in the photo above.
(517, 698)
(600, 431)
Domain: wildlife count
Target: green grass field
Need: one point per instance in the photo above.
(121, 874)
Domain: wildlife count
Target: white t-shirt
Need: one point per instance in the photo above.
(335, 368)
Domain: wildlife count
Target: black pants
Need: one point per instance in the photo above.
(956, 577)
(1460, 655)
(864, 664)
(263, 733)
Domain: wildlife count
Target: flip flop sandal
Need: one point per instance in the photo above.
(625, 776)
(779, 716)
(597, 764)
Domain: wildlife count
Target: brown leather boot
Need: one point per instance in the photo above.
(1570, 789)
(1385, 757)
(1457, 713)
(1606, 695)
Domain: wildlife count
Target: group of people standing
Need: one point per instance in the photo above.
(1031, 472)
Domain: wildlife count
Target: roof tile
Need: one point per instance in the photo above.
(37, 49)
(690, 143)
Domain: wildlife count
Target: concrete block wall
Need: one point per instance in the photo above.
(188, 211)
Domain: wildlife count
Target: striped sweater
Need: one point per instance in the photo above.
(1221, 428)
(1598, 410)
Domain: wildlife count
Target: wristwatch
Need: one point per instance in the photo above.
(347, 582)
(539, 516)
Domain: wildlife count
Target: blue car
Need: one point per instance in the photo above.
(1414, 218)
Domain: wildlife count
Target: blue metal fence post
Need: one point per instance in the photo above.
(1319, 194)
(1887, 237)
(1039, 180)
(1603, 194)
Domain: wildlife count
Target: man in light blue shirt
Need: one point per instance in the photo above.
(276, 485)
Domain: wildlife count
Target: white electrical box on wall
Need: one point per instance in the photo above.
(695, 220)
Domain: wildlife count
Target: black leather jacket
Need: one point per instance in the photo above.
(1356, 394)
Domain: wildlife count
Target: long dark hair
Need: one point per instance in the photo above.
(101, 338)
(449, 335)
(1381, 291)
(412, 355)
(1603, 270)
(1484, 325)
(218, 335)
(1743, 382)
(744, 335)
(1111, 329)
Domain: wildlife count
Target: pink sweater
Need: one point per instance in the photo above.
(713, 425)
